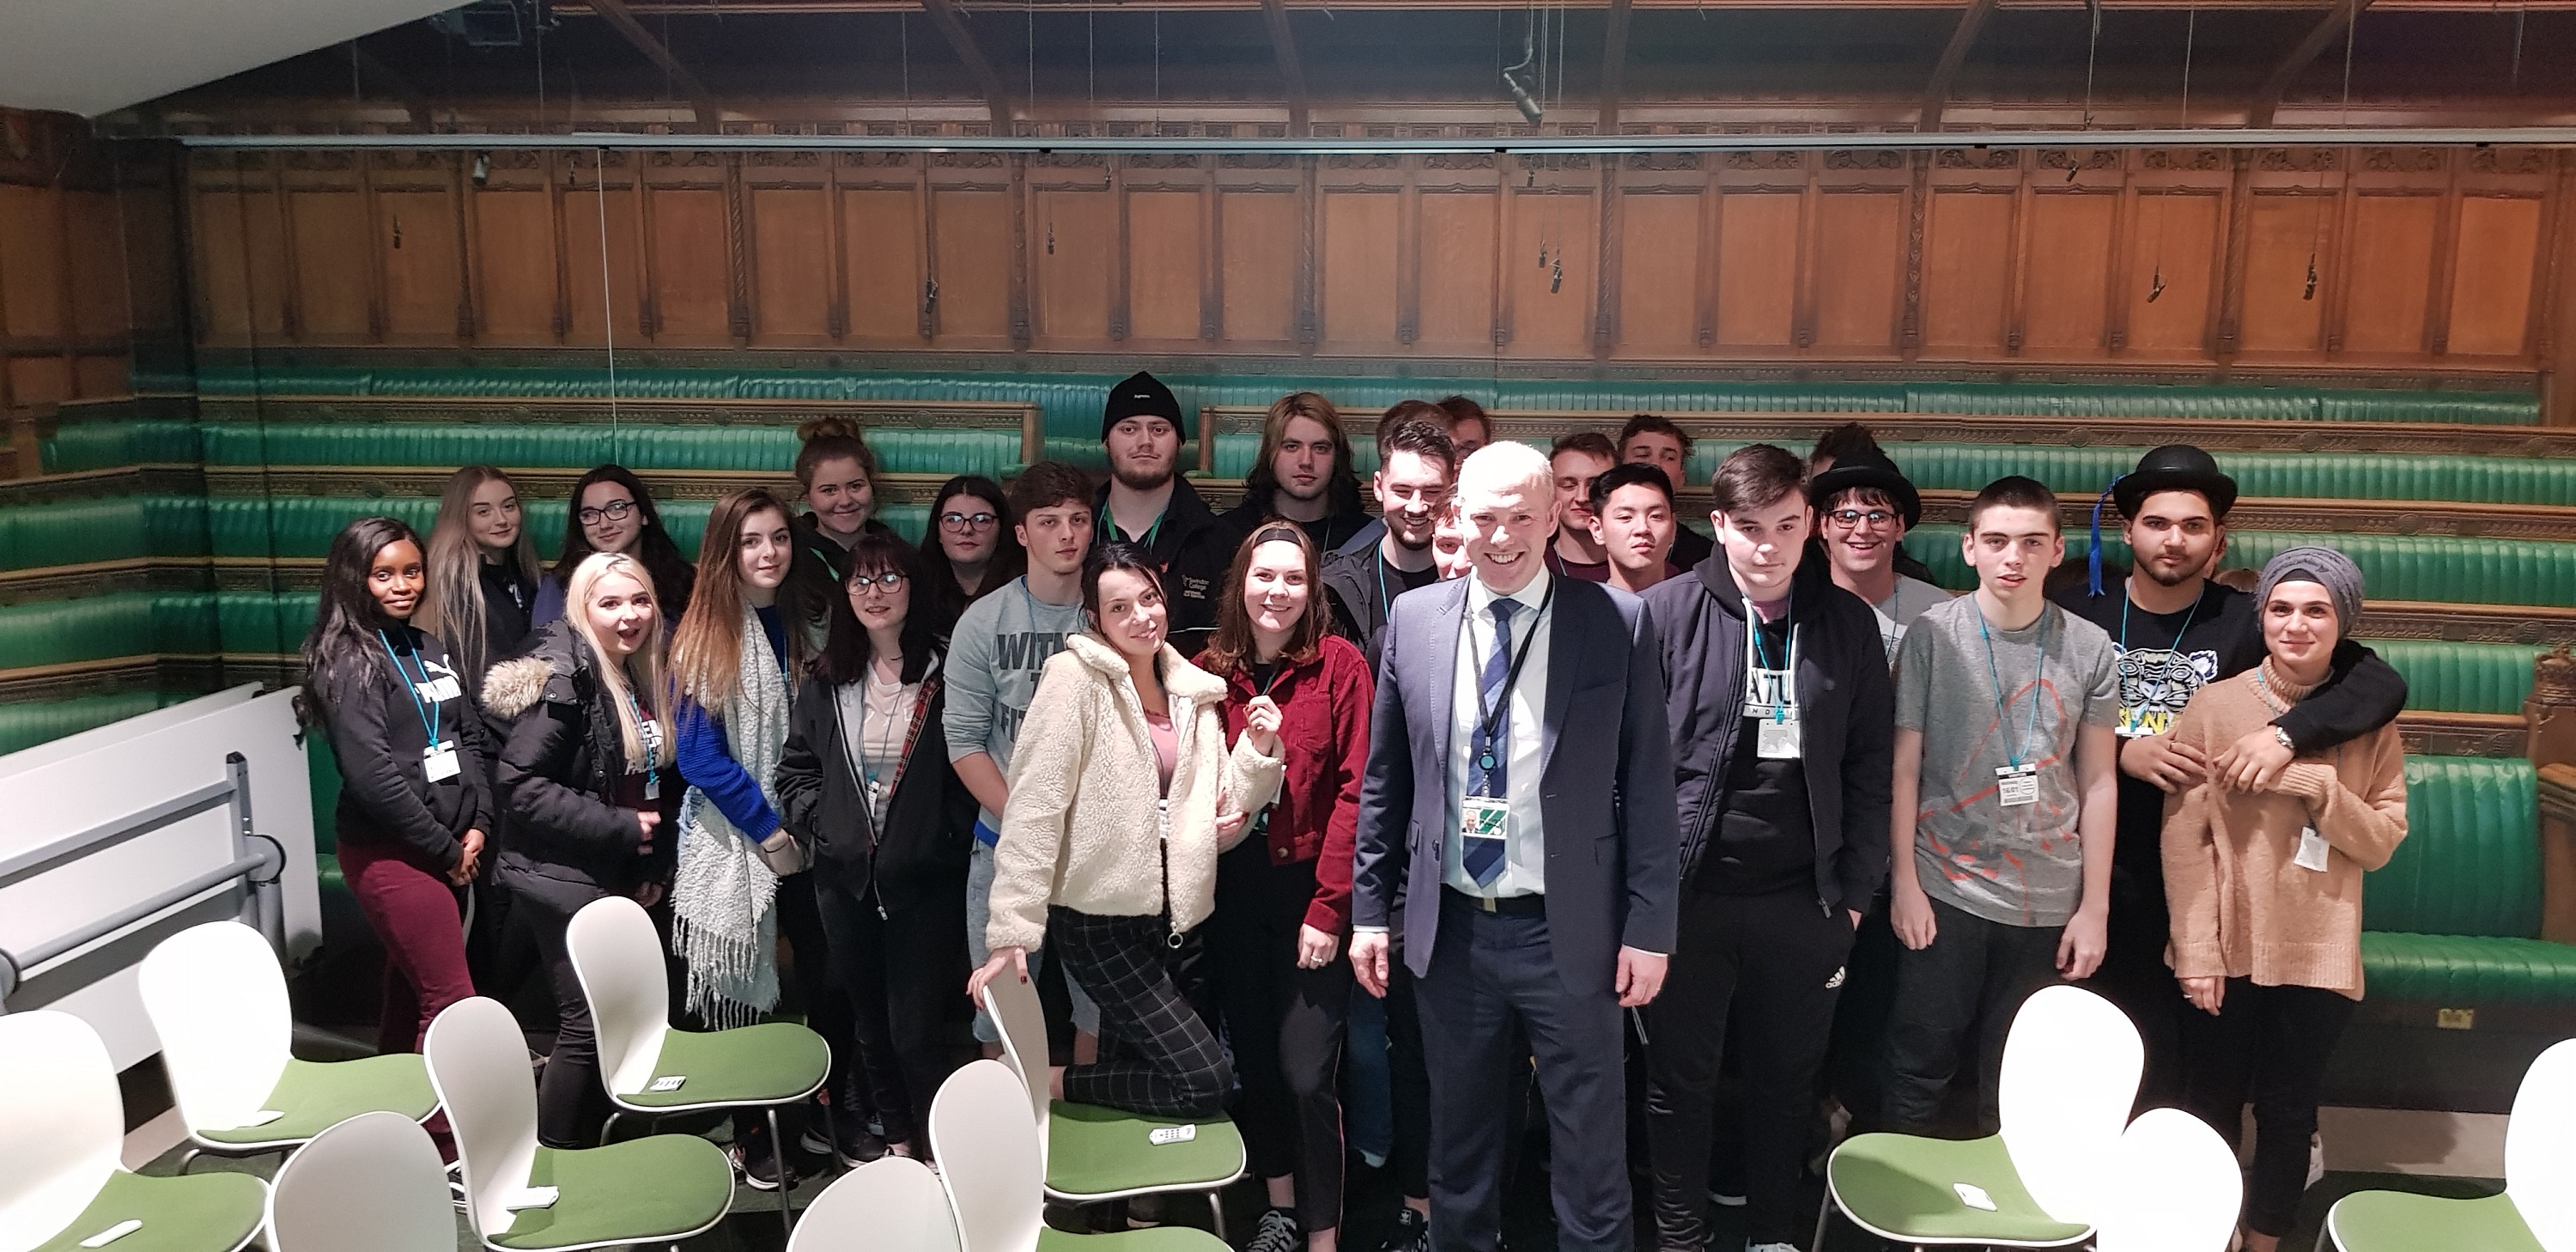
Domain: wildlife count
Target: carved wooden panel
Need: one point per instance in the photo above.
(33, 279)
(416, 234)
(596, 305)
(2282, 314)
(884, 258)
(1163, 246)
(2499, 249)
(1458, 264)
(974, 298)
(1967, 236)
(515, 267)
(690, 283)
(2172, 272)
(1077, 243)
(2391, 272)
(95, 259)
(792, 274)
(1258, 259)
(1860, 236)
(1757, 269)
(334, 257)
(1358, 281)
(1659, 274)
(2067, 273)
(1551, 304)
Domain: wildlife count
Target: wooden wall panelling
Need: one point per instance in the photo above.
(2067, 267)
(2391, 270)
(461, 209)
(648, 286)
(1656, 311)
(2017, 255)
(741, 268)
(791, 238)
(1070, 274)
(1356, 251)
(148, 198)
(1859, 277)
(1259, 246)
(416, 233)
(331, 245)
(374, 269)
(2501, 259)
(1458, 203)
(887, 261)
(601, 218)
(1164, 206)
(2446, 244)
(1021, 332)
(2227, 307)
(1967, 250)
(1918, 209)
(1310, 260)
(836, 252)
(2291, 198)
(2337, 268)
(2554, 325)
(240, 271)
(2174, 254)
(1712, 235)
(517, 273)
(971, 216)
(1552, 303)
(2124, 223)
(688, 248)
(1758, 267)
(1506, 205)
(290, 278)
(1606, 246)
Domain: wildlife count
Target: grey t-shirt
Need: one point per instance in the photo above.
(2023, 865)
(994, 655)
(1897, 612)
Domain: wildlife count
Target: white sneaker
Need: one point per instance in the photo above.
(2316, 1158)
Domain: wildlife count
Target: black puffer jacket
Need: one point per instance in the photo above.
(559, 759)
(921, 852)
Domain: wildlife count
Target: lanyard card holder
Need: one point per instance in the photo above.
(438, 762)
(2016, 785)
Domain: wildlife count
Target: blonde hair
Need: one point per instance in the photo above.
(451, 606)
(642, 670)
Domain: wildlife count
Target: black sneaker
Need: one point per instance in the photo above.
(1278, 1232)
(760, 1166)
(841, 1136)
(1412, 1232)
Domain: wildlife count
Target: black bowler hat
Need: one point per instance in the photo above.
(1141, 395)
(2175, 467)
(1869, 468)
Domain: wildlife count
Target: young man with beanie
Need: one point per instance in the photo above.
(1864, 506)
(2003, 802)
(1781, 711)
(2174, 631)
(1147, 503)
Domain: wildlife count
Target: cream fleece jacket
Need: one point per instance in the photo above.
(1080, 826)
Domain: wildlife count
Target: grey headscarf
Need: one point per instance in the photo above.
(2323, 566)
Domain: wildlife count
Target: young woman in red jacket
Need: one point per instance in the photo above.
(1283, 895)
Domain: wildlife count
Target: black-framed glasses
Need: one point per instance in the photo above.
(967, 521)
(613, 511)
(1854, 517)
(888, 582)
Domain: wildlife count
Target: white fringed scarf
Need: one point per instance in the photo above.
(722, 922)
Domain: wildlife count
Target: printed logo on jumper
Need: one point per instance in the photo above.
(1023, 652)
(2155, 684)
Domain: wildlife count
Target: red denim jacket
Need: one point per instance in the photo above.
(1324, 727)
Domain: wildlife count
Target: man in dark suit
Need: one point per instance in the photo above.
(1520, 794)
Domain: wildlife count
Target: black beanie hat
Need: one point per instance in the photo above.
(1141, 395)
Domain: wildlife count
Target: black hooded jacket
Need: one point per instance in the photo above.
(921, 851)
(1846, 707)
(1192, 548)
(560, 757)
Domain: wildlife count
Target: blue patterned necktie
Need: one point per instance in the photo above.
(1488, 774)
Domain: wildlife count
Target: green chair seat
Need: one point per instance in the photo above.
(641, 1191)
(2463, 971)
(1903, 1188)
(1157, 1239)
(1095, 1151)
(195, 1213)
(764, 1064)
(2396, 1221)
(316, 1096)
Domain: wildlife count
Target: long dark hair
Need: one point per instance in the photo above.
(1119, 554)
(1010, 560)
(706, 650)
(1341, 486)
(846, 652)
(1231, 647)
(672, 576)
(342, 646)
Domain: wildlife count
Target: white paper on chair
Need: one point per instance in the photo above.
(1973, 1196)
(668, 1082)
(112, 1234)
(530, 1198)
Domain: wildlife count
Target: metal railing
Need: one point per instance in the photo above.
(258, 860)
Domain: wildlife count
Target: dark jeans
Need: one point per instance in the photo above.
(2269, 1045)
(901, 973)
(1773, 962)
(2135, 977)
(1408, 1082)
(1158, 1058)
(571, 1103)
(827, 1006)
(1285, 1024)
(1965, 986)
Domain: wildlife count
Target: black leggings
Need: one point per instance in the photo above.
(571, 1103)
(1157, 1056)
(2268, 1045)
(1285, 1024)
(900, 972)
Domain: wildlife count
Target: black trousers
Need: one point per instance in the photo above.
(1408, 1084)
(1158, 1057)
(571, 1103)
(1960, 992)
(1856, 1055)
(1493, 982)
(2269, 1045)
(899, 972)
(1774, 963)
(1285, 1026)
(2135, 977)
(827, 1006)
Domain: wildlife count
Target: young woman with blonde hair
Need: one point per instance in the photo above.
(482, 570)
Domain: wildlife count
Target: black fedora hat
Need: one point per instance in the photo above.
(2175, 467)
(1868, 469)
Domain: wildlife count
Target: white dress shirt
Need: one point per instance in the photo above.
(1525, 852)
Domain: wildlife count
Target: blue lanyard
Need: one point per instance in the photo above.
(1753, 624)
(428, 715)
(2002, 714)
(2125, 602)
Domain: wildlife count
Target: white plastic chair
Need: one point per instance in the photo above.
(373, 1182)
(2177, 1188)
(987, 1145)
(2071, 1067)
(2539, 1199)
(62, 1125)
(657, 1189)
(890, 1204)
(217, 998)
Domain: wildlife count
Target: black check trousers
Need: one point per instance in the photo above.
(1158, 1058)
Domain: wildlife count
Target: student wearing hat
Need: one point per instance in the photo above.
(1147, 503)
(1864, 506)
(1849, 442)
(2173, 632)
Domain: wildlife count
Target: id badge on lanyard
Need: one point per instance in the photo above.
(438, 762)
(1770, 695)
(1484, 817)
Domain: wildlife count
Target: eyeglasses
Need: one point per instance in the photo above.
(888, 582)
(613, 511)
(967, 521)
(1854, 517)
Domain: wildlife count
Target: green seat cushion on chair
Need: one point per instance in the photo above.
(1156, 1239)
(2464, 971)
(2398, 1221)
(764, 1064)
(1101, 1151)
(1902, 1187)
(211, 1212)
(317, 1095)
(641, 1191)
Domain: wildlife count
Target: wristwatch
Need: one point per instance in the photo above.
(2282, 737)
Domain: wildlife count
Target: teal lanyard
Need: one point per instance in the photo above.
(1762, 652)
(2002, 703)
(428, 714)
(2125, 602)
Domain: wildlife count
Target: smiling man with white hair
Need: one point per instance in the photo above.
(1519, 798)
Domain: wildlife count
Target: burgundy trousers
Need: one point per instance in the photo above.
(414, 912)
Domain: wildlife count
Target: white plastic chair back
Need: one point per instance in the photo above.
(478, 1064)
(2176, 1188)
(2540, 1148)
(890, 1204)
(372, 1182)
(988, 1158)
(2070, 1073)
(218, 1000)
(61, 1123)
(1015, 1009)
(617, 955)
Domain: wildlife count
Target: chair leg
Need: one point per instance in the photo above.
(778, 1160)
(1824, 1214)
(187, 1159)
(608, 1129)
(1216, 1212)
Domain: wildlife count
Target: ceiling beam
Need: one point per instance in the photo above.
(1936, 94)
(1614, 67)
(2329, 28)
(393, 83)
(617, 15)
(952, 25)
(1274, 14)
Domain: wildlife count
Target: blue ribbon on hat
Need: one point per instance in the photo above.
(2093, 553)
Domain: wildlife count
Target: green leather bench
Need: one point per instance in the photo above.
(26, 723)
(2433, 568)
(2453, 920)
(77, 446)
(97, 628)
(2082, 473)
(2452, 677)
(303, 526)
(992, 453)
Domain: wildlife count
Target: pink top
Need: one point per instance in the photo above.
(1167, 746)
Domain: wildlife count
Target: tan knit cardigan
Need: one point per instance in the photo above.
(2241, 907)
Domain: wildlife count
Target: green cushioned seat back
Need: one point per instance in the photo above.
(97, 628)
(2081, 474)
(746, 448)
(302, 526)
(107, 528)
(2395, 567)
(2461, 677)
(26, 723)
(106, 444)
(2470, 864)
